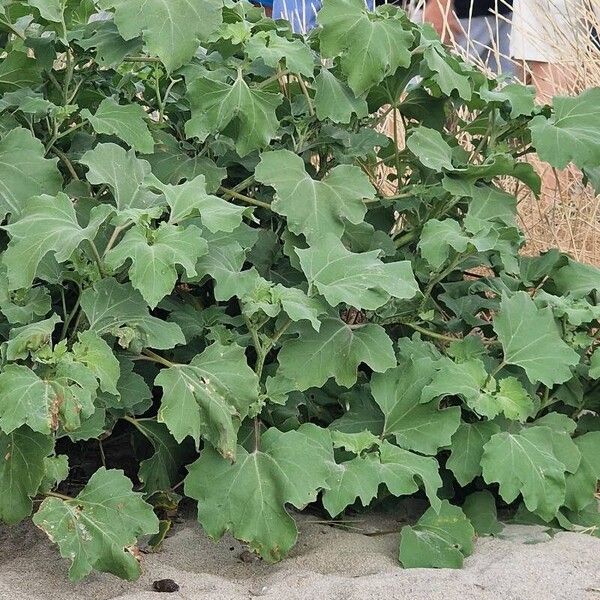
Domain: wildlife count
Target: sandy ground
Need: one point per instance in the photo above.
(328, 563)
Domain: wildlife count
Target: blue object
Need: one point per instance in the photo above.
(302, 14)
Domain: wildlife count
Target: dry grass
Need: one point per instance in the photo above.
(567, 213)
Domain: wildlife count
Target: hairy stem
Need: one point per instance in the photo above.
(246, 199)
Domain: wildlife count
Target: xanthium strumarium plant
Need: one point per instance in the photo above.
(200, 282)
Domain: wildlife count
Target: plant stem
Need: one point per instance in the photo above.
(158, 359)
(102, 455)
(162, 103)
(432, 334)
(311, 109)
(242, 185)
(97, 258)
(61, 496)
(457, 260)
(68, 77)
(495, 372)
(65, 159)
(141, 59)
(273, 78)
(256, 434)
(245, 199)
(406, 238)
(69, 317)
(135, 423)
(115, 234)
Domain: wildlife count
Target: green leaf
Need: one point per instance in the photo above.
(110, 47)
(486, 203)
(582, 485)
(111, 306)
(594, 371)
(216, 104)
(93, 352)
(335, 351)
(511, 399)
(361, 413)
(471, 380)
(530, 339)
(440, 539)
(224, 262)
(17, 70)
(572, 133)
(430, 148)
(124, 173)
(25, 399)
(577, 279)
(371, 46)
(248, 497)
(154, 254)
(99, 528)
(22, 468)
(51, 10)
(28, 339)
(438, 238)
(172, 29)
(357, 443)
(300, 307)
(272, 49)
(360, 280)
(190, 199)
(56, 470)
(447, 73)
(467, 449)
(24, 172)
(335, 100)
(403, 472)
(314, 208)
(134, 396)
(356, 478)
(174, 161)
(127, 122)
(521, 98)
(210, 397)
(47, 224)
(415, 426)
(23, 306)
(480, 509)
(527, 463)
(160, 471)
(271, 299)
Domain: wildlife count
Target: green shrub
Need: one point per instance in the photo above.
(198, 273)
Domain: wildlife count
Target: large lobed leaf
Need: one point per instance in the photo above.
(98, 528)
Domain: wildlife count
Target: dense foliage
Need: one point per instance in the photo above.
(199, 275)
